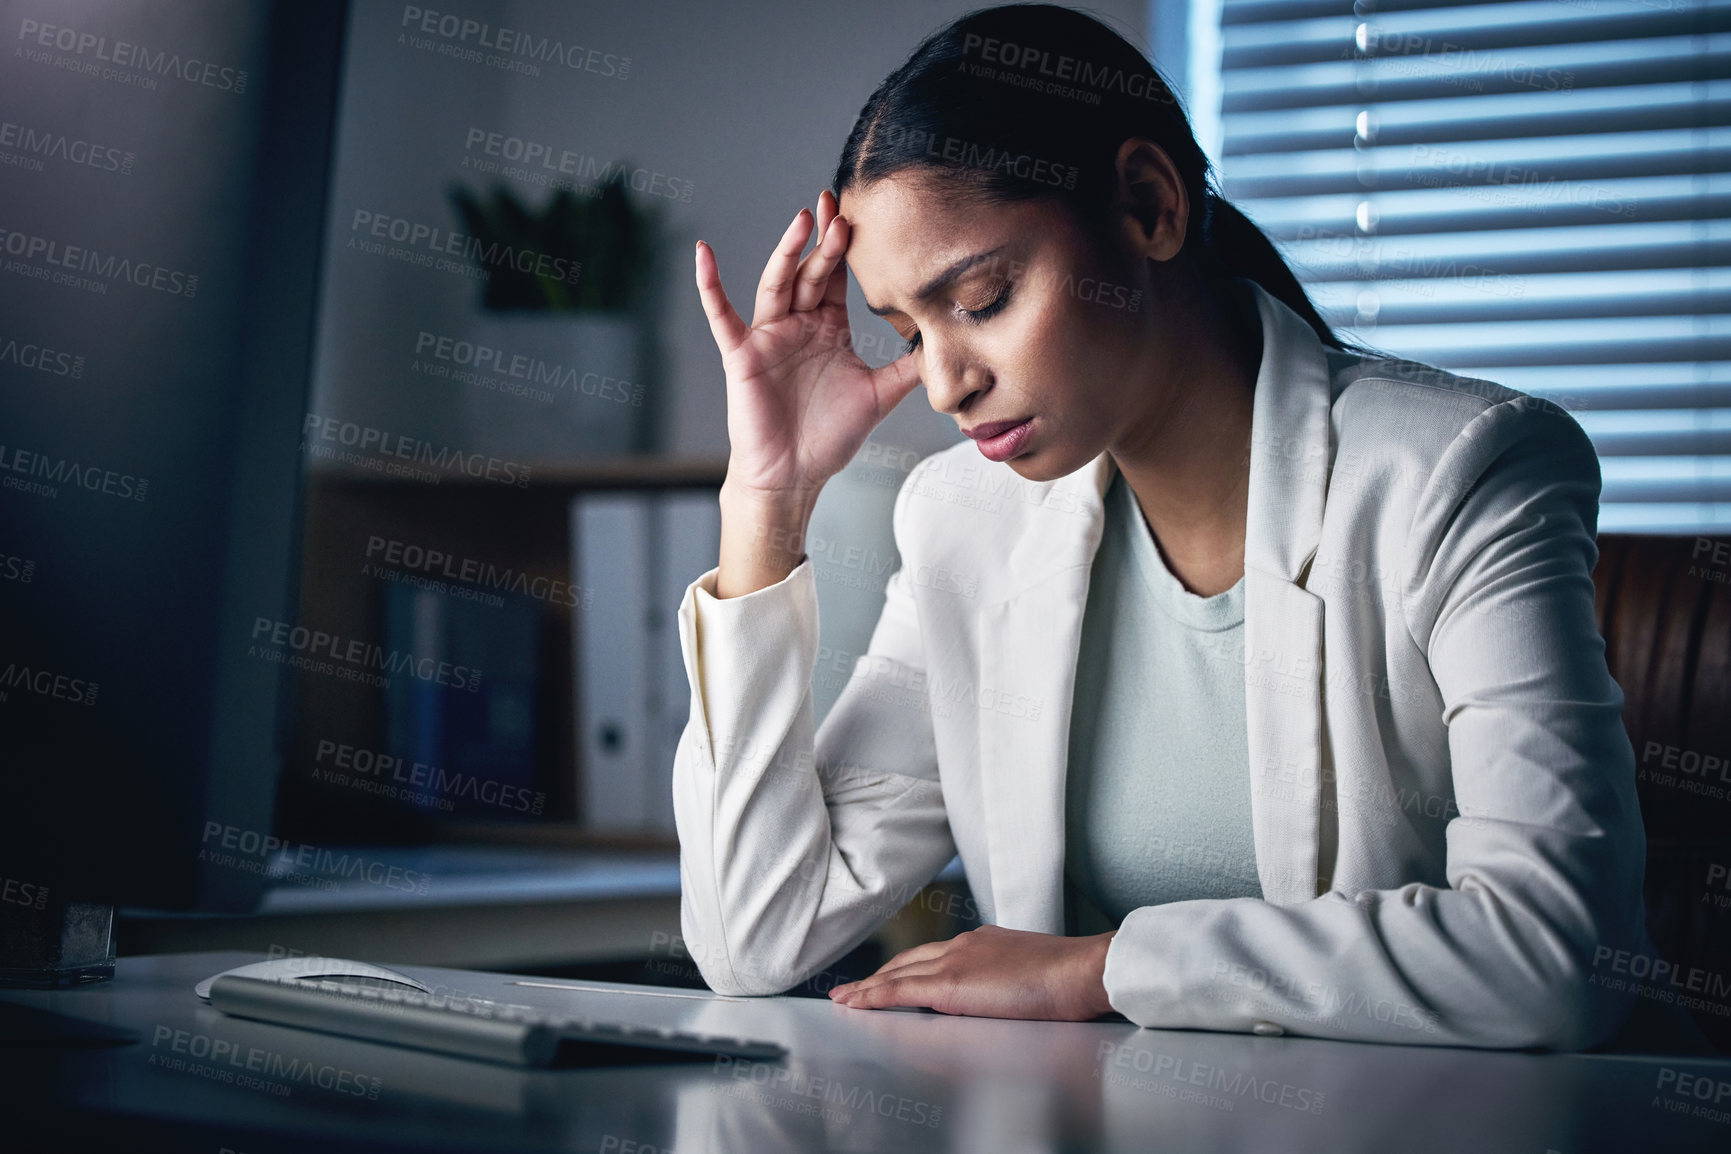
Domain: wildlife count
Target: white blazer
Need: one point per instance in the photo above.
(1443, 794)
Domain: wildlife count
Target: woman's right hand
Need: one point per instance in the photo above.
(800, 401)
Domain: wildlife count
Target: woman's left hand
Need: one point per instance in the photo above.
(992, 972)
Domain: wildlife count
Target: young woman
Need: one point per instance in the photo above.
(1253, 677)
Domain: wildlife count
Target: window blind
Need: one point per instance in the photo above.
(1537, 192)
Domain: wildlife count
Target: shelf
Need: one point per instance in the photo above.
(623, 472)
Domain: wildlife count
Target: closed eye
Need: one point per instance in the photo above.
(975, 316)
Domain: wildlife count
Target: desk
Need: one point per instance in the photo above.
(856, 1080)
(485, 907)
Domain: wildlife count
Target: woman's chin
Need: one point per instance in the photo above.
(1047, 463)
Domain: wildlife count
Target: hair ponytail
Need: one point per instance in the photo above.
(1233, 245)
(976, 104)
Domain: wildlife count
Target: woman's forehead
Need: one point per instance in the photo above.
(899, 260)
(906, 232)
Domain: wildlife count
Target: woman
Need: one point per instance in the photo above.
(1264, 692)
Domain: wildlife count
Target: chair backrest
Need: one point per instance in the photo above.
(1664, 608)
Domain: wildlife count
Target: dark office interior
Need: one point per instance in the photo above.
(361, 431)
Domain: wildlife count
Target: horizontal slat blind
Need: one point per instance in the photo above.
(1533, 191)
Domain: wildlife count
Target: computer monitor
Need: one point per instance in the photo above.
(163, 174)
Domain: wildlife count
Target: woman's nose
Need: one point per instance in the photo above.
(949, 387)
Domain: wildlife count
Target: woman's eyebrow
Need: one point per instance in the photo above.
(942, 279)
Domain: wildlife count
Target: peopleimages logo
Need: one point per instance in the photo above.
(1717, 552)
(19, 569)
(99, 269)
(124, 54)
(785, 1088)
(439, 242)
(971, 155)
(422, 560)
(537, 158)
(380, 443)
(40, 358)
(1232, 1084)
(24, 678)
(52, 471)
(222, 1060)
(231, 846)
(34, 145)
(521, 367)
(352, 651)
(1691, 987)
(1699, 1095)
(461, 32)
(27, 894)
(1412, 48)
(397, 777)
(1040, 62)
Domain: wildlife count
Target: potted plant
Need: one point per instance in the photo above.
(563, 321)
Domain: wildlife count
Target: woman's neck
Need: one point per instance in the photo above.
(1187, 458)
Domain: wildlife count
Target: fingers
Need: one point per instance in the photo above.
(788, 284)
(918, 989)
(826, 210)
(918, 959)
(925, 968)
(893, 382)
(918, 956)
(919, 953)
(836, 292)
(821, 278)
(724, 323)
(775, 288)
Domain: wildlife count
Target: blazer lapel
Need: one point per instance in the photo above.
(1290, 456)
(1028, 644)
(1027, 649)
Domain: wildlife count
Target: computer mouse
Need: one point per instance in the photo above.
(313, 969)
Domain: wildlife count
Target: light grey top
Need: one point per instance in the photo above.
(1158, 797)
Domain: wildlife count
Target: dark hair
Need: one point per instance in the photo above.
(1031, 101)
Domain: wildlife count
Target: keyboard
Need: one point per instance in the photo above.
(467, 1027)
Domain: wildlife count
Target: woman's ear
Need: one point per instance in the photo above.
(1152, 197)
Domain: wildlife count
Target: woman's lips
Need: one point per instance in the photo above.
(1006, 444)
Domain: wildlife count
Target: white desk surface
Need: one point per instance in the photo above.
(856, 1080)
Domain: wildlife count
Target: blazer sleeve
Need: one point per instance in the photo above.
(1545, 860)
(795, 846)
